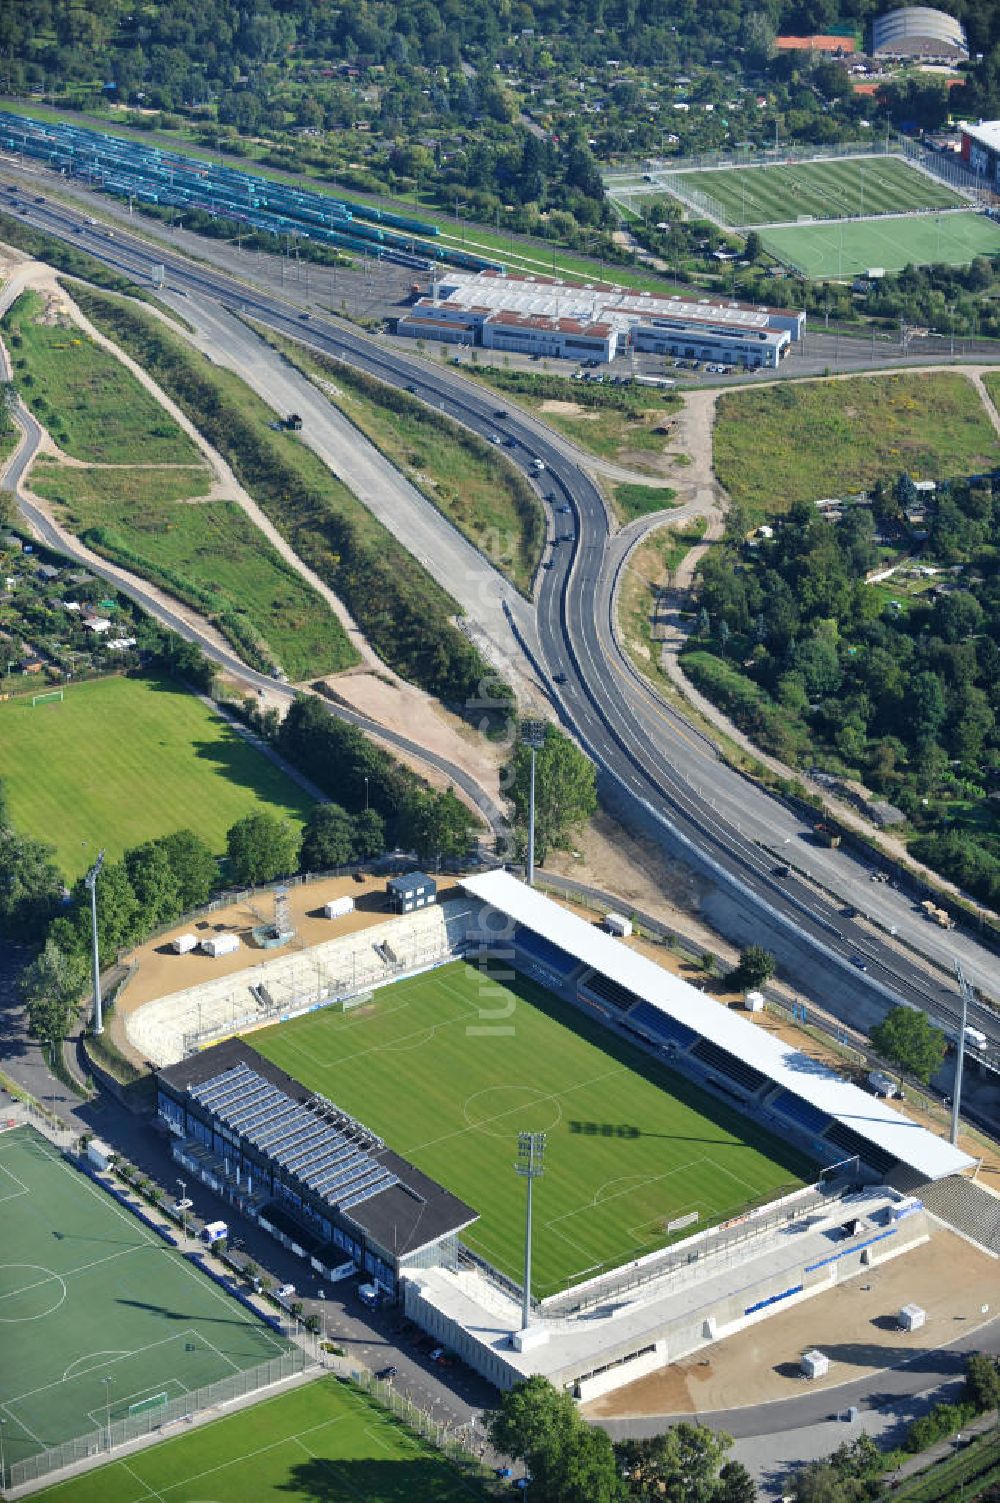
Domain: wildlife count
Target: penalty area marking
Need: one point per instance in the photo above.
(50, 1278)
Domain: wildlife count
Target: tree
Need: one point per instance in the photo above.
(910, 1041)
(756, 965)
(369, 834)
(119, 916)
(753, 246)
(31, 886)
(195, 869)
(51, 987)
(261, 847)
(329, 838)
(436, 825)
(154, 884)
(565, 788)
(982, 1382)
(679, 1466)
(568, 1459)
(735, 1484)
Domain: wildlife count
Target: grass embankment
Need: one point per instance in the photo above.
(122, 760)
(631, 501)
(802, 441)
(467, 479)
(324, 1440)
(208, 554)
(76, 263)
(613, 422)
(93, 407)
(403, 612)
(972, 1473)
(647, 574)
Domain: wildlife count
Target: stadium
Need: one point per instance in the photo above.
(363, 1098)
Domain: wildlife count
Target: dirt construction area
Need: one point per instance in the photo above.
(855, 1324)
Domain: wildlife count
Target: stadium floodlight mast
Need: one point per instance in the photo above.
(530, 1153)
(533, 737)
(106, 1380)
(90, 882)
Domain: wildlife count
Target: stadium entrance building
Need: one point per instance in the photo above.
(575, 320)
(981, 150)
(305, 1170)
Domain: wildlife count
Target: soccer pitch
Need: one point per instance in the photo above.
(849, 248)
(79, 772)
(99, 1315)
(322, 1441)
(449, 1066)
(848, 187)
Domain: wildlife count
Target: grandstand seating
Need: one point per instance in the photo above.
(547, 954)
(851, 1143)
(803, 1112)
(967, 1207)
(727, 1064)
(659, 1026)
(611, 992)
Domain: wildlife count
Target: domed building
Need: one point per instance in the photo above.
(917, 31)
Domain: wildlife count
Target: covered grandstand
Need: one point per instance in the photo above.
(770, 1079)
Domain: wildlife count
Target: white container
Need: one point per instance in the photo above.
(337, 907)
(100, 1154)
(753, 1001)
(214, 1231)
(912, 1317)
(184, 944)
(220, 944)
(618, 924)
(815, 1364)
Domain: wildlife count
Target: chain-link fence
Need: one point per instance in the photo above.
(129, 1427)
(455, 1442)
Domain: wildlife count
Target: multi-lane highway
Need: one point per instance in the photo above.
(662, 776)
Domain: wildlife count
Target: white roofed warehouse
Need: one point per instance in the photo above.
(598, 321)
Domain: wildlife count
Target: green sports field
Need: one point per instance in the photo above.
(325, 1441)
(844, 188)
(448, 1067)
(847, 249)
(97, 1314)
(123, 760)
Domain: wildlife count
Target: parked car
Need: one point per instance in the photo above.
(437, 1352)
(385, 1373)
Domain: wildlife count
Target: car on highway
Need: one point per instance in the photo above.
(858, 963)
(500, 414)
(780, 871)
(559, 678)
(567, 537)
(548, 563)
(564, 508)
(538, 465)
(494, 438)
(385, 1373)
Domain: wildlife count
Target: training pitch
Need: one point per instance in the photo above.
(450, 1066)
(79, 773)
(849, 187)
(97, 1314)
(847, 249)
(322, 1441)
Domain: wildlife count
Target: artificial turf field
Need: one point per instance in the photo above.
(323, 1441)
(850, 247)
(123, 760)
(848, 187)
(449, 1066)
(88, 1293)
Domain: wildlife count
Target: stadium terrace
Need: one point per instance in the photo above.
(597, 320)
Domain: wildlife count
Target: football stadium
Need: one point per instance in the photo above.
(382, 1092)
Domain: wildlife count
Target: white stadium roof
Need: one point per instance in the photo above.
(797, 1072)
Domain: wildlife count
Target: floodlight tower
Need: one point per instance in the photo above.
(530, 1152)
(533, 737)
(90, 882)
(956, 1098)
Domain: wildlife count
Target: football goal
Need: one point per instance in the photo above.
(50, 696)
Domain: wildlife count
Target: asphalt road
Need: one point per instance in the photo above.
(661, 777)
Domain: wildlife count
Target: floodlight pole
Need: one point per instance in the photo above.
(530, 1152)
(533, 737)
(956, 1099)
(107, 1408)
(90, 882)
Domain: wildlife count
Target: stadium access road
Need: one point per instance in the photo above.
(655, 771)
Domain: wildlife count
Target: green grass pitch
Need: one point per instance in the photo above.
(123, 760)
(847, 249)
(448, 1067)
(87, 1293)
(844, 188)
(322, 1441)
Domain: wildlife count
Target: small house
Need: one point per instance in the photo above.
(414, 890)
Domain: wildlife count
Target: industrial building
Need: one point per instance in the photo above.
(918, 31)
(981, 150)
(542, 316)
(305, 1170)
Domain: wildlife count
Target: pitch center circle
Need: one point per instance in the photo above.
(501, 1110)
(28, 1292)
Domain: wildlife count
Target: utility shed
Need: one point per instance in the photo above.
(220, 944)
(414, 890)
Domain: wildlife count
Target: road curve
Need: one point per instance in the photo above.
(662, 776)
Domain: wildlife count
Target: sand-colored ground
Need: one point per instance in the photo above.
(854, 1324)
